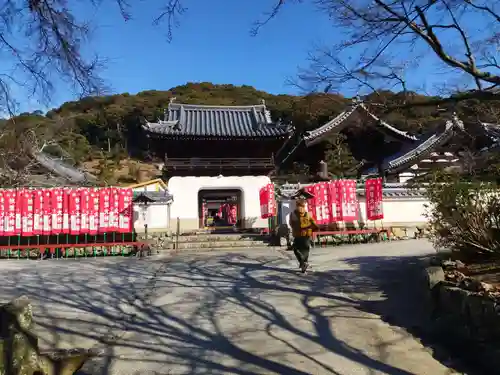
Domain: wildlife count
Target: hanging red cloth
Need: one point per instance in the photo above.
(232, 214)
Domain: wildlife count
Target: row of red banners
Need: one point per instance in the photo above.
(31, 212)
(333, 201)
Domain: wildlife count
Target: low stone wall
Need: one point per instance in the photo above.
(157, 240)
(165, 240)
(464, 314)
(19, 346)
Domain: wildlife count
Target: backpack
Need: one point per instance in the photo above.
(304, 224)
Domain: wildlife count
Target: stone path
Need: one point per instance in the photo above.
(246, 312)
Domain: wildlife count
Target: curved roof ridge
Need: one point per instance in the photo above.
(312, 135)
(221, 107)
(423, 147)
(388, 126)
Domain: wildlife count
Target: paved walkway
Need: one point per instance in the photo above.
(246, 312)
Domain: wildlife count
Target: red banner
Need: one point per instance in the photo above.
(74, 208)
(335, 203)
(125, 210)
(321, 203)
(66, 227)
(374, 199)
(26, 212)
(349, 198)
(10, 212)
(311, 202)
(84, 210)
(94, 212)
(46, 212)
(2, 212)
(18, 225)
(114, 209)
(37, 212)
(57, 207)
(263, 203)
(104, 207)
(271, 200)
(267, 201)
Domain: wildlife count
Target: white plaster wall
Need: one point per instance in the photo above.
(157, 217)
(185, 192)
(397, 211)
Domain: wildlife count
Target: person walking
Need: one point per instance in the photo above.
(302, 225)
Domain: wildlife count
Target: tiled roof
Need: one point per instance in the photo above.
(412, 155)
(217, 121)
(154, 196)
(341, 121)
(390, 190)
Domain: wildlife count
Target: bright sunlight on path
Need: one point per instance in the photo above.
(246, 312)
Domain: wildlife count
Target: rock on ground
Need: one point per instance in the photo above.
(242, 312)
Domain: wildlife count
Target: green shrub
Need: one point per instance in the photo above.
(464, 216)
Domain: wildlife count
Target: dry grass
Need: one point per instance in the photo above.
(485, 271)
(126, 169)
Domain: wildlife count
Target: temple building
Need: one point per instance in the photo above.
(409, 155)
(216, 158)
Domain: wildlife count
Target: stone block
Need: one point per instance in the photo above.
(397, 232)
(434, 276)
(19, 346)
(411, 232)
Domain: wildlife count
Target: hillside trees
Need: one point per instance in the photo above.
(116, 120)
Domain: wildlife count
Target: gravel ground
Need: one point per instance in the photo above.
(242, 312)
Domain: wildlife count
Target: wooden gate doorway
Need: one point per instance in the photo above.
(220, 208)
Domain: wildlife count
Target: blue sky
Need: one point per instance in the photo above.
(213, 43)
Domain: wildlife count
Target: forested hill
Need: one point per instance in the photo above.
(97, 132)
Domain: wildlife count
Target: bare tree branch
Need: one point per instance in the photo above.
(171, 12)
(381, 37)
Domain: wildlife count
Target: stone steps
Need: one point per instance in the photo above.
(218, 238)
(217, 244)
(209, 249)
(207, 241)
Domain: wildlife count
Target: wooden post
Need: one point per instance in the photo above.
(178, 229)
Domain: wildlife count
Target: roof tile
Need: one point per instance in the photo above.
(217, 121)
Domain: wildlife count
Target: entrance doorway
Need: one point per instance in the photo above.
(220, 208)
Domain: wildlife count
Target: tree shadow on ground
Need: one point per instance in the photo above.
(224, 314)
(400, 279)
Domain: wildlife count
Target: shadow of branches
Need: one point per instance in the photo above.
(401, 304)
(227, 313)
